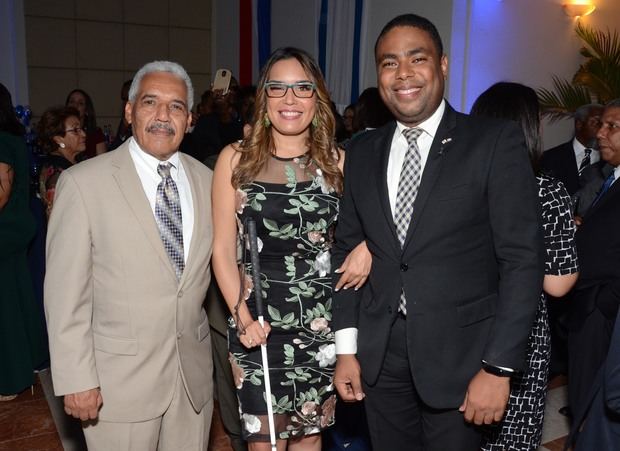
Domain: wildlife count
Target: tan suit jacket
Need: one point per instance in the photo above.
(117, 317)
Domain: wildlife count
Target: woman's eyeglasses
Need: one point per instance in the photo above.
(75, 130)
(301, 89)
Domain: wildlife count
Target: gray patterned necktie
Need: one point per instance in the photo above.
(169, 218)
(585, 162)
(408, 185)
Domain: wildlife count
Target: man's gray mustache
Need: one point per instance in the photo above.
(160, 126)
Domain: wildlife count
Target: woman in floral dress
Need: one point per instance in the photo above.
(286, 174)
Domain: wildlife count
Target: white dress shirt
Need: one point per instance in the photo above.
(580, 152)
(146, 166)
(616, 175)
(346, 339)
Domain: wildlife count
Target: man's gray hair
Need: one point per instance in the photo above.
(582, 113)
(162, 66)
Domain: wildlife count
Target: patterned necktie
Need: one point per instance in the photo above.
(585, 162)
(169, 219)
(608, 181)
(408, 185)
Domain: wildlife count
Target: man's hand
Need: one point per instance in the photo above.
(84, 405)
(347, 378)
(578, 220)
(486, 398)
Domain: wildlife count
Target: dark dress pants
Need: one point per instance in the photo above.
(397, 417)
(587, 347)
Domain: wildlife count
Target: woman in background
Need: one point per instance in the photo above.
(95, 139)
(370, 111)
(21, 341)
(62, 138)
(521, 427)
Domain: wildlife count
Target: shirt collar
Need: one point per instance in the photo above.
(430, 125)
(150, 160)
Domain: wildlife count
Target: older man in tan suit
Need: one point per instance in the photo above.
(129, 244)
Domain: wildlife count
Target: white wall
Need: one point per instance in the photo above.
(225, 36)
(294, 24)
(525, 41)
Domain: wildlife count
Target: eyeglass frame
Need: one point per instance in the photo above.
(76, 130)
(289, 86)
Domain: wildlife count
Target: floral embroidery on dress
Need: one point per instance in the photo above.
(295, 221)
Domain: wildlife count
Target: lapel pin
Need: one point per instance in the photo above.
(443, 144)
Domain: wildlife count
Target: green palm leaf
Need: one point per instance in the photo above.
(561, 101)
(597, 79)
(602, 46)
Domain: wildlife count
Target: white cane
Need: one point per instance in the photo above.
(258, 296)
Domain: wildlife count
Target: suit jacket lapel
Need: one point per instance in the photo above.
(441, 144)
(197, 202)
(613, 191)
(131, 187)
(382, 148)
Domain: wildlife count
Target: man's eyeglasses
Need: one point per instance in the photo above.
(301, 89)
(75, 130)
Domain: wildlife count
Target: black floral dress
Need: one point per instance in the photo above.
(295, 212)
(521, 427)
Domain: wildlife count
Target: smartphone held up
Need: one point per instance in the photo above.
(221, 81)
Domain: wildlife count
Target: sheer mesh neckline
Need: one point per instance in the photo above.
(288, 171)
(296, 157)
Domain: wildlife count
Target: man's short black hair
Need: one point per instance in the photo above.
(615, 103)
(414, 21)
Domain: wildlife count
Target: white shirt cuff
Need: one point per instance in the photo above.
(346, 341)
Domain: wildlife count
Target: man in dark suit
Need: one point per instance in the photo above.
(599, 427)
(597, 292)
(566, 161)
(591, 179)
(432, 339)
(572, 163)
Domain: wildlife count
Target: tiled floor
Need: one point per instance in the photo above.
(556, 426)
(27, 423)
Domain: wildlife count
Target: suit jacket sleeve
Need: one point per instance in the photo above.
(612, 371)
(514, 215)
(608, 298)
(69, 291)
(349, 233)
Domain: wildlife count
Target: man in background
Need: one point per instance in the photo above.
(596, 295)
(566, 161)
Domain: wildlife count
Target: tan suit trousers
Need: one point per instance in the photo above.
(180, 428)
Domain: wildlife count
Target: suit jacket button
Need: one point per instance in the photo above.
(404, 267)
(390, 309)
(179, 335)
(181, 293)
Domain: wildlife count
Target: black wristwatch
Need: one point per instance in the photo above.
(497, 371)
